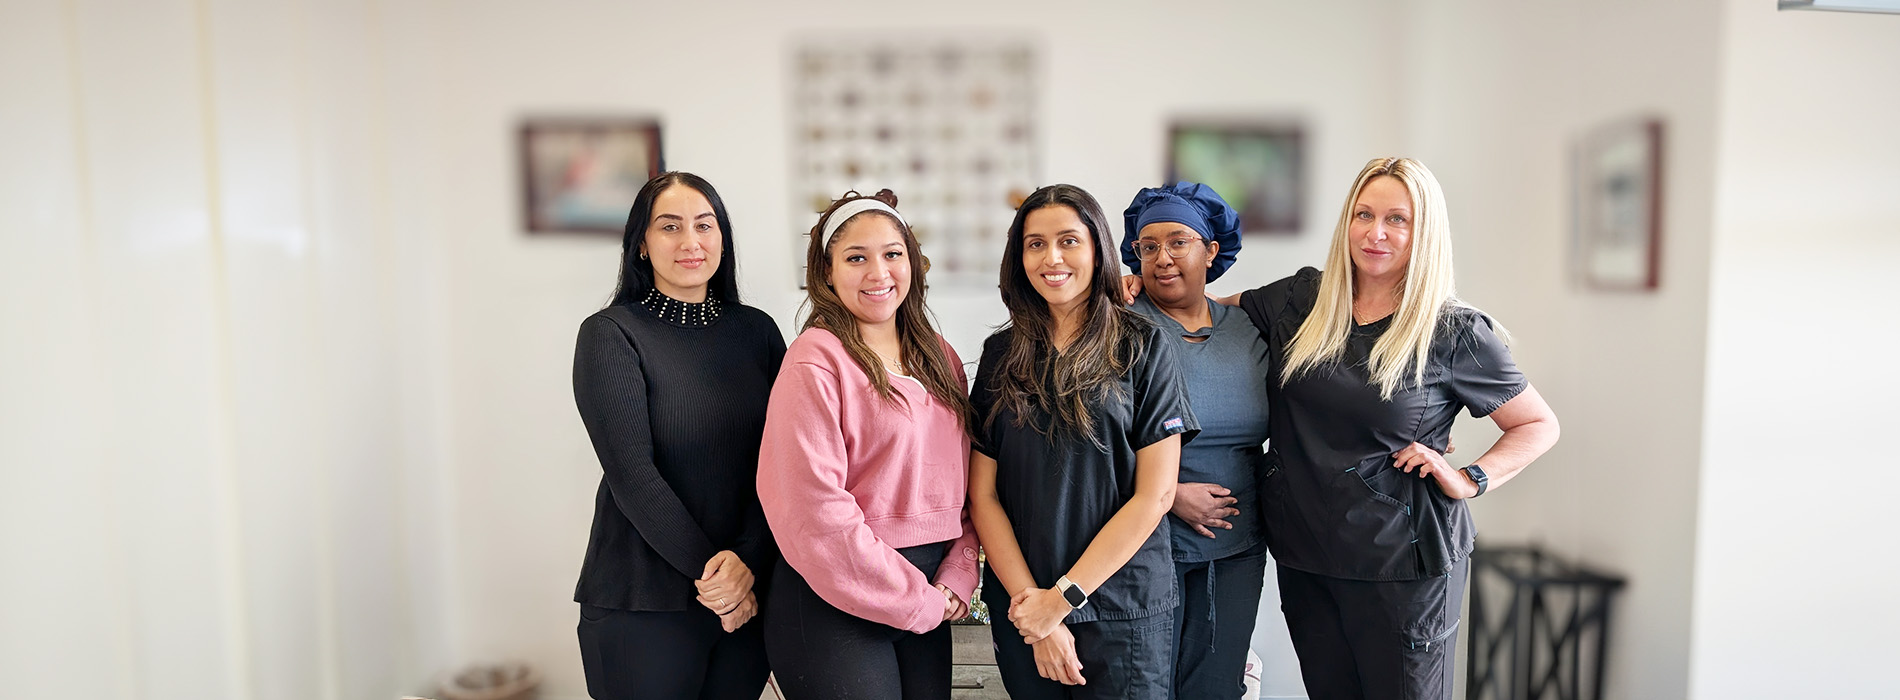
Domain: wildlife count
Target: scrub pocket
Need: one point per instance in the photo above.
(1428, 661)
(1127, 659)
(1388, 484)
(1427, 625)
(1376, 521)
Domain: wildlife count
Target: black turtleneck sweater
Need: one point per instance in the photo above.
(673, 396)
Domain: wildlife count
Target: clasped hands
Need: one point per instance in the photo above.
(726, 589)
(953, 607)
(1038, 614)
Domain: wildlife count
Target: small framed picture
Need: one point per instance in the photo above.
(1618, 209)
(1258, 167)
(581, 175)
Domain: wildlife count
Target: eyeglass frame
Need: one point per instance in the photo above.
(1168, 245)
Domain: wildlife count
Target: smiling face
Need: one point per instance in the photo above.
(1174, 282)
(1381, 232)
(1058, 256)
(870, 268)
(683, 242)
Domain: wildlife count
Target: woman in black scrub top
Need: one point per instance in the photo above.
(1082, 414)
(1372, 361)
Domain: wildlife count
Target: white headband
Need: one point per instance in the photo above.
(853, 208)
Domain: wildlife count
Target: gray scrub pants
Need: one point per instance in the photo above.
(1121, 659)
(1383, 640)
(1213, 625)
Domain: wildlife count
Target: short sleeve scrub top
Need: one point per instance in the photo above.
(1333, 503)
(1059, 490)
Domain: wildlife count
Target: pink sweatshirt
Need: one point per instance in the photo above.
(847, 479)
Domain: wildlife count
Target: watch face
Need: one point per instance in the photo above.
(1074, 595)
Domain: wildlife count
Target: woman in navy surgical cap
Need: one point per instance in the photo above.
(1179, 238)
(1372, 361)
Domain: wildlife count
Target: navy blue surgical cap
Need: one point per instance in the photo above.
(1197, 206)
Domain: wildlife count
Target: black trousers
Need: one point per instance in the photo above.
(1213, 626)
(819, 652)
(1374, 640)
(1121, 659)
(669, 656)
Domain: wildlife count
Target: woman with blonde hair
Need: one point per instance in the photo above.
(1377, 355)
(862, 473)
(1372, 360)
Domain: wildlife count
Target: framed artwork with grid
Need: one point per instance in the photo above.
(946, 124)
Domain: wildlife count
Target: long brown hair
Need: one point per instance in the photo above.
(1089, 372)
(922, 353)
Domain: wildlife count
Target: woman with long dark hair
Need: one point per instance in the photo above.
(863, 470)
(672, 380)
(1082, 414)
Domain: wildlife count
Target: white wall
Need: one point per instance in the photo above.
(1502, 90)
(1795, 563)
(1752, 575)
(284, 403)
(219, 431)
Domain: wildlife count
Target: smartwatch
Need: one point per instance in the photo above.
(1477, 475)
(1072, 593)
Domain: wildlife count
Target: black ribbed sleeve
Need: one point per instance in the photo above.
(675, 415)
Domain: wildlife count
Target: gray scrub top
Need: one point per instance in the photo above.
(1333, 502)
(1226, 385)
(1060, 490)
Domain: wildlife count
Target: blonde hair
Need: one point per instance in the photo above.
(1427, 291)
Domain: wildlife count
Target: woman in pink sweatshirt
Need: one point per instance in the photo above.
(863, 471)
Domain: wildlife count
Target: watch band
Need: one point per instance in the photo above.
(1477, 476)
(1072, 593)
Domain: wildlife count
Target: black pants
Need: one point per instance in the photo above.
(819, 652)
(1384, 640)
(1121, 659)
(1213, 626)
(669, 656)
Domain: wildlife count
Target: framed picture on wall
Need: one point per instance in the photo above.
(581, 175)
(1258, 167)
(1618, 209)
(947, 122)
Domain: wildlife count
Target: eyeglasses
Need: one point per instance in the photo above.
(1177, 247)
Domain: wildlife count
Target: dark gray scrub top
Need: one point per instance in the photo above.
(1060, 491)
(1223, 372)
(1334, 504)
